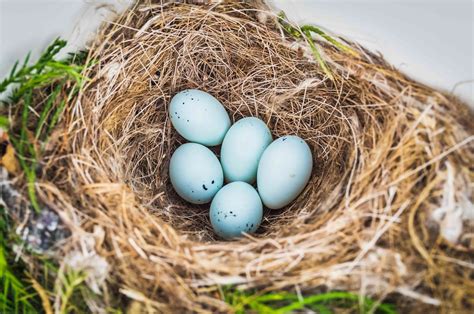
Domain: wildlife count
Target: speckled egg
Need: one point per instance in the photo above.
(236, 208)
(284, 170)
(242, 148)
(195, 173)
(199, 117)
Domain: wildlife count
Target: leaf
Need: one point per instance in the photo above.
(4, 122)
(7, 154)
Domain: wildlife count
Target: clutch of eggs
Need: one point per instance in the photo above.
(281, 169)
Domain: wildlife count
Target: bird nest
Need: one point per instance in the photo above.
(387, 211)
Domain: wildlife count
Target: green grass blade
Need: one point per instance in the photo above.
(306, 30)
(285, 302)
(13, 70)
(56, 116)
(4, 122)
(330, 39)
(333, 296)
(278, 296)
(290, 29)
(46, 109)
(317, 55)
(14, 297)
(30, 171)
(27, 59)
(45, 72)
(321, 309)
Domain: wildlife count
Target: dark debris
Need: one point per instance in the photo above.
(43, 230)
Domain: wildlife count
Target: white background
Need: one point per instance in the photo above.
(431, 40)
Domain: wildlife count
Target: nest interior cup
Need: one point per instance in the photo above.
(278, 86)
(372, 170)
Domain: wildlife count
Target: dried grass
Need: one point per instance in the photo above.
(384, 146)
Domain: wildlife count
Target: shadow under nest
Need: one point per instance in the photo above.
(377, 166)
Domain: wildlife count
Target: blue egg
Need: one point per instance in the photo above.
(199, 117)
(242, 148)
(195, 173)
(284, 170)
(236, 208)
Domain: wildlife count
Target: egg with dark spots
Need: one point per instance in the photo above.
(283, 171)
(235, 209)
(195, 173)
(199, 117)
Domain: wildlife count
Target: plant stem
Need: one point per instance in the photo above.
(317, 55)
